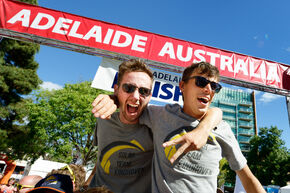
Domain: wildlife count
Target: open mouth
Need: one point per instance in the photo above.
(203, 100)
(132, 108)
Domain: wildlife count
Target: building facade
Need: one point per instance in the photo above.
(239, 111)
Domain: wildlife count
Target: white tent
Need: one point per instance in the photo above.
(285, 189)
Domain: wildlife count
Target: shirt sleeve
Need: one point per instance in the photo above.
(230, 147)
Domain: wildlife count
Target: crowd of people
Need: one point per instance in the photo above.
(9, 187)
(68, 179)
(152, 149)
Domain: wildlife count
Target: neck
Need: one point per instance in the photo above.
(192, 114)
(124, 120)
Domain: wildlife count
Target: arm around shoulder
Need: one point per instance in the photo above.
(197, 138)
(211, 119)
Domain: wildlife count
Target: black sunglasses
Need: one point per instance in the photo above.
(130, 88)
(202, 82)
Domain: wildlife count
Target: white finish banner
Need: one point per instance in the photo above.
(165, 87)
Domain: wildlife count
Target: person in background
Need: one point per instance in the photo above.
(55, 183)
(77, 174)
(27, 183)
(11, 181)
(9, 187)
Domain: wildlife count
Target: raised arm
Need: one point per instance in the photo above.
(197, 138)
(249, 181)
(104, 106)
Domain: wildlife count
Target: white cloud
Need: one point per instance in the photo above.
(50, 86)
(268, 97)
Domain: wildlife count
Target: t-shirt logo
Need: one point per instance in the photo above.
(171, 150)
(125, 151)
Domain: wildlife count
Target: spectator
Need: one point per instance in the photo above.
(55, 183)
(11, 181)
(27, 183)
(8, 188)
(77, 174)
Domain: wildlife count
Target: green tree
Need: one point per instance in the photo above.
(18, 77)
(63, 122)
(226, 176)
(269, 159)
(222, 174)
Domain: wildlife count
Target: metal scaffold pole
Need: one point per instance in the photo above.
(288, 107)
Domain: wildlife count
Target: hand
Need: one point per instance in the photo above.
(103, 106)
(193, 140)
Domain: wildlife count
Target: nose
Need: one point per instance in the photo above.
(136, 94)
(207, 89)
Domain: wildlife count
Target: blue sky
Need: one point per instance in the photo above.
(258, 28)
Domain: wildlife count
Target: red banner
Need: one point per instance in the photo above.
(65, 27)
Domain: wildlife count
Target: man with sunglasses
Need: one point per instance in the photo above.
(194, 171)
(125, 146)
(27, 183)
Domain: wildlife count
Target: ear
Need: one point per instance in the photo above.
(181, 85)
(116, 89)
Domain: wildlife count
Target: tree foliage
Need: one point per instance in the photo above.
(62, 122)
(18, 77)
(227, 175)
(223, 173)
(269, 159)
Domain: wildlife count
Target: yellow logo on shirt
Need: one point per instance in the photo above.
(115, 147)
(171, 150)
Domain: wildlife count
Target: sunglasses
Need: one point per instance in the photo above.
(202, 82)
(20, 186)
(70, 171)
(130, 88)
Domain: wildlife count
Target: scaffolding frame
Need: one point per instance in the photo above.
(117, 56)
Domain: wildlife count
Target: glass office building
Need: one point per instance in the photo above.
(239, 111)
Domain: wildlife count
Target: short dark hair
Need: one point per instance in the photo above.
(133, 65)
(201, 68)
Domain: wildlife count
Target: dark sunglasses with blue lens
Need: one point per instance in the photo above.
(130, 88)
(202, 82)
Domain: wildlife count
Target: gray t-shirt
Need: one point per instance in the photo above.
(196, 171)
(124, 156)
